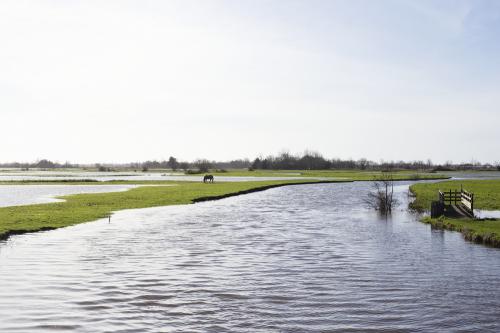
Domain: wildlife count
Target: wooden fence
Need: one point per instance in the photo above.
(463, 198)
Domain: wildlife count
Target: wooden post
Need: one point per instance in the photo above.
(437, 209)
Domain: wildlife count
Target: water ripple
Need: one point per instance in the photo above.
(297, 259)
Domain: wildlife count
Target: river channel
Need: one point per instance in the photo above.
(309, 258)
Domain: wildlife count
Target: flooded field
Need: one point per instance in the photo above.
(305, 258)
(17, 195)
(130, 176)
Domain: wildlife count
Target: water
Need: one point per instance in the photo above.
(139, 176)
(15, 175)
(17, 195)
(292, 259)
(480, 175)
(487, 214)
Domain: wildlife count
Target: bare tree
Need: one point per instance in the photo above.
(203, 165)
(429, 163)
(172, 163)
(363, 163)
(184, 166)
(381, 197)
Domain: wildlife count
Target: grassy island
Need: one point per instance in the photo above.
(487, 196)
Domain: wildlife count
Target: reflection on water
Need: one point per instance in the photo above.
(473, 174)
(292, 259)
(16, 195)
(487, 214)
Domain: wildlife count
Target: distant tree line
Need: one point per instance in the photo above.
(315, 161)
(41, 164)
(283, 161)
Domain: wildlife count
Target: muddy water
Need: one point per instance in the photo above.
(305, 258)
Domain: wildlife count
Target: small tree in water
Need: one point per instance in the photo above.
(381, 197)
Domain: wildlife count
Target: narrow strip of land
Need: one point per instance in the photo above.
(82, 208)
(486, 196)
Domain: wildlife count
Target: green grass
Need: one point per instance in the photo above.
(89, 207)
(343, 174)
(486, 196)
(486, 192)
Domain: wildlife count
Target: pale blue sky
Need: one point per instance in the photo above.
(115, 81)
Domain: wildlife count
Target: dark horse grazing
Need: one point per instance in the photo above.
(208, 178)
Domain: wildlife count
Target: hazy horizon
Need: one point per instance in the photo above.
(253, 158)
(121, 81)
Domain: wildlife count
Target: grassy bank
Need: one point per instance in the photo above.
(486, 196)
(485, 232)
(487, 192)
(89, 207)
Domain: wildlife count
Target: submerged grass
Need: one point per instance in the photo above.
(486, 196)
(81, 208)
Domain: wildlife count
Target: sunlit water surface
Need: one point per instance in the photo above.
(16, 195)
(305, 258)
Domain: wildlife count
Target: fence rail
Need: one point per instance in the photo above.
(454, 197)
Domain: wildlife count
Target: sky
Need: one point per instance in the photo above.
(120, 81)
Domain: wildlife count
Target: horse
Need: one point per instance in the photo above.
(208, 178)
